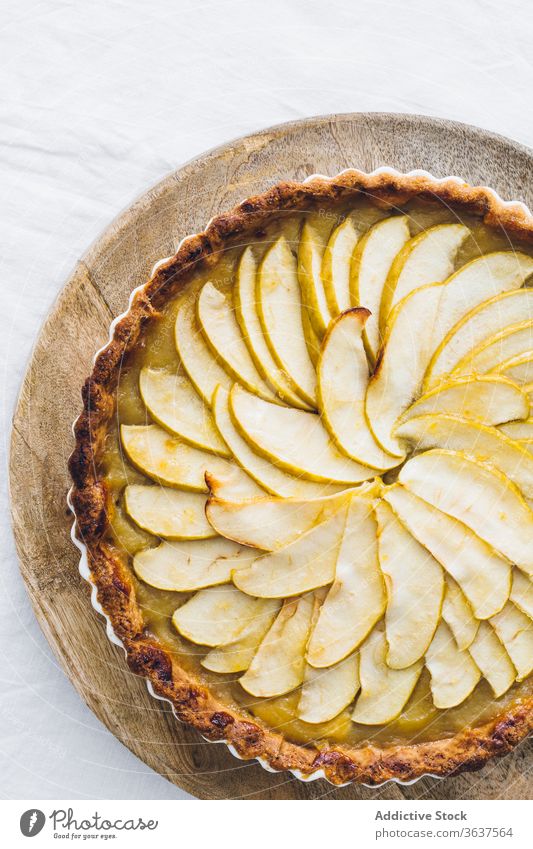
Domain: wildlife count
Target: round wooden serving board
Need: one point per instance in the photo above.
(78, 325)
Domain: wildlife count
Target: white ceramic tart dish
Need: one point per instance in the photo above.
(303, 478)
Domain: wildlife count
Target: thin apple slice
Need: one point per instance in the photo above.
(217, 616)
(174, 404)
(454, 674)
(522, 593)
(327, 692)
(216, 317)
(237, 656)
(491, 399)
(310, 254)
(311, 339)
(304, 564)
(280, 312)
(295, 440)
(428, 257)
(458, 615)
(492, 660)
(337, 259)
(401, 364)
(482, 498)
(415, 588)
(521, 431)
(252, 332)
(371, 263)
(515, 630)
(167, 459)
(484, 576)
(233, 484)
(185, 566)
(342, 383)
(202, 368)
(279, 663)
(519, 369)
(486, 444)
(168, 513)
(271, 523)
(476, 326)
(489, 354)
(384, 691)
(264, 471)
(356, 599)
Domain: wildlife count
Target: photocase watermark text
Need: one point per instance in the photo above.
(65, 824)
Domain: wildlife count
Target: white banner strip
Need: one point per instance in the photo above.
(232, 824)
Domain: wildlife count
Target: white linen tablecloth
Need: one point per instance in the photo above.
(102, 99)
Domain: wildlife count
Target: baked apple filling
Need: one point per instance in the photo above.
(322, 471)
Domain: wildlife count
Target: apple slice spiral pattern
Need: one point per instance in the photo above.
(339, 493)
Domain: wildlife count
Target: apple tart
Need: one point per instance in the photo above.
(304, 477)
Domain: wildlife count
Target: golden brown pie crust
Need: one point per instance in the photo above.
(110, 572)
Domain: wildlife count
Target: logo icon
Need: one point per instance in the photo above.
(32, 822)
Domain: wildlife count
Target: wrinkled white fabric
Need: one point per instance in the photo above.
(102, 99)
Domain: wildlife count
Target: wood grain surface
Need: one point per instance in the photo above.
(50, 400)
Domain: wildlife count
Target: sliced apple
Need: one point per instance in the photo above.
(513, 340)
(492, 660)
(519, 369)
(304, 564)
(420, 322)
(428, 257)
(476, 282)
(295, 440)
(279, 664)
(486, 444)
(481, 322)
(237, 656)
(202, 368)
(264, 471)
(484, 576)
(174, 404)
(401, 364)
(454, 674)
(482, 498)
(185, 566)
(310, 254)
(280, 312)
(356, 599)
(458, 615)
(326, 692)
(216, 317)
(342, 383)
(270, 523)
(311, 339)
(521, 431)
(522, 593)
(167, 459)
(217, 616)
(168, 513)
(252, 332)
(515, 630)
(384, 691)
(415, 588)
(491, 399)
(233, 484)
(336, 262)
(371, 263)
